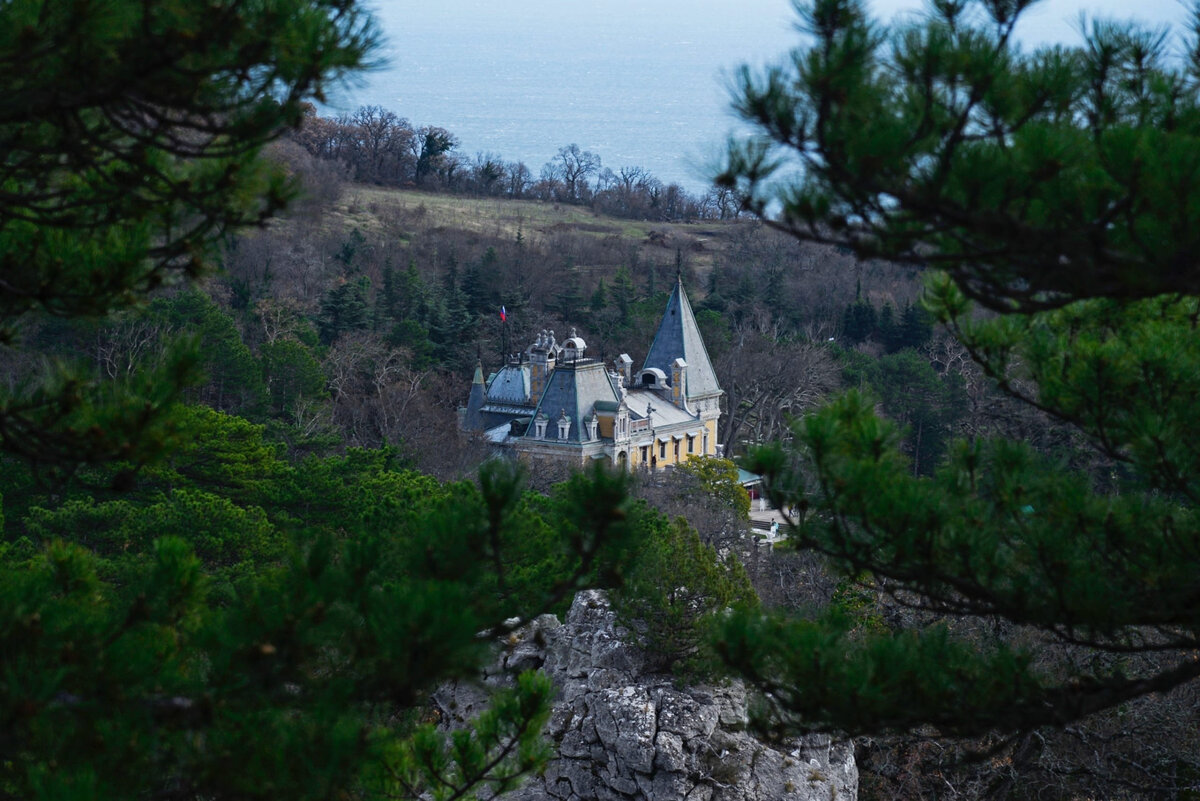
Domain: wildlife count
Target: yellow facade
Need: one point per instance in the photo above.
(665, 450)
(605, 426)
(553, 402)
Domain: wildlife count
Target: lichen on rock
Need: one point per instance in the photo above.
(623, 734)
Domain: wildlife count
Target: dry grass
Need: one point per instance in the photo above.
(395, 212)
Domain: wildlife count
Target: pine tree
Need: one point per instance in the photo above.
(387, 302)
(887, 332)
(474, 290)
(599, 299)
(410, 293)
(345, 307)
(916, 328)
(174, 643)
(232, 379)
(859, 321)
(624, 294)
(1058, 189)
(568, 301)
(131, 140)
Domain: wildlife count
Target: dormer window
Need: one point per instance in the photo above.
(564, 426)
(593, 423)
(574, 347)
(653, 377)
(539, 425)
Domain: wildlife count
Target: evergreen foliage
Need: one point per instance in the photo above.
(624, 293)
(346, 308)
(228, 625)
(1057, 188)
(673, 591)
(131, 137)
(233, 380)
(291, 373)
(232, 614)
(927, 404)
(859, 321)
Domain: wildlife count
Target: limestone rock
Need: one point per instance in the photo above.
(622, 734)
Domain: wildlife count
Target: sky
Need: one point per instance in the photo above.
(1052, 21)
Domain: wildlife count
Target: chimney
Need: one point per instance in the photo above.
(625, 368)
(679, 383)
(541, 362)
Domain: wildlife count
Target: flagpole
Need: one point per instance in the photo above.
(505, 334)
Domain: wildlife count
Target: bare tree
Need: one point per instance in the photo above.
(279, 319)
(323, 137)
(383, 137)
(487, 173)
(373, 390)
(575, 166)
(722, 202)
(128, 344)
(767, 382)
(519, 178)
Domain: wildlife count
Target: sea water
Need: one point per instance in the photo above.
(640, 83)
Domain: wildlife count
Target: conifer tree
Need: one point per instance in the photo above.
(859, 321)
(345, 307)
(624, 294)
(178, 646)
(1059, 190)
(130, 143)
(386, 302)
(886, 331)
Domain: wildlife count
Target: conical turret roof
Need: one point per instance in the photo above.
(679, 337)
(474, 420)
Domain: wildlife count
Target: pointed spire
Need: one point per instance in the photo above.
(473, 420)
(679, 337)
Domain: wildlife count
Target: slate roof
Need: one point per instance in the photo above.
(679, 337)
(573, 390)
(474, 420)
(501, 408)
(510, 385)
(498, 434)
(665, 413)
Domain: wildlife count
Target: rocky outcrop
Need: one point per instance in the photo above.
(621, 733)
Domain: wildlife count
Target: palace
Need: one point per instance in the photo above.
(553, 402)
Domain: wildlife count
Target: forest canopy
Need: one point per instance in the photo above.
(234, 564)
(185, 613)
(1056, 189)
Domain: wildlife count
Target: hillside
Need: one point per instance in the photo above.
(399, 213)
(549, 258)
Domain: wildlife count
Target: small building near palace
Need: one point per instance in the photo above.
(554, 402)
